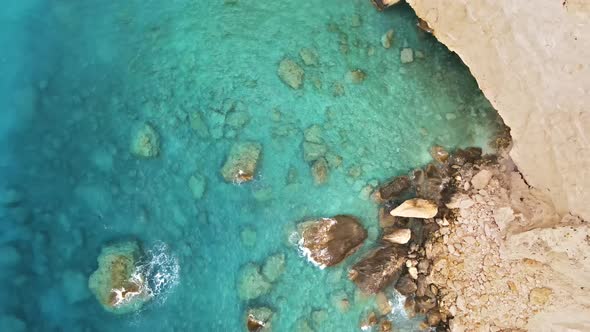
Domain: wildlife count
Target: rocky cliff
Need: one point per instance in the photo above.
(532, 61)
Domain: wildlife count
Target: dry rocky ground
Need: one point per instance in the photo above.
(503, 260)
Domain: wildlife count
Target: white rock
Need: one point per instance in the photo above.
(416, 208)
(481, 179)
(399, 236)
(413, 272)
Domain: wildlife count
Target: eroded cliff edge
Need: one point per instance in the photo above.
(532, 61)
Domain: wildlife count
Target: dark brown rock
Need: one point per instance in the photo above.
(421, 286)
(425, 303)
(394, 188)
(439, 154)
(406, 286)
(423, 266)
(429, 183)
(433, 317)
(410, 307)
(462, 156)
(379, 268)
(328, 241)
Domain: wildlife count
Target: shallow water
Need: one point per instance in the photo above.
(83, 75)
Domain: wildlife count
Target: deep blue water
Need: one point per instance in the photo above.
(78, 79)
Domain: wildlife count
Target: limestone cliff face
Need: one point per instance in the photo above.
(532, 61)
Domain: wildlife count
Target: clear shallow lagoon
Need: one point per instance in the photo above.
(81, 76)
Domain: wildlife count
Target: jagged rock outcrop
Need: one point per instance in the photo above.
(532, 61)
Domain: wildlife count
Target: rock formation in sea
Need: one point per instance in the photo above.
(328, 241)
(117, 283)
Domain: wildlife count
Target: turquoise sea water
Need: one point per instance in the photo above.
(79, 77)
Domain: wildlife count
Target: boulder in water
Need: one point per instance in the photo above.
(320, 170)
(241, 163)
(118, 284)
(274, 267)
(313, 151)
(328, 241)
(416, 208)
(379, 268)
(309, 56)
(291, 73)
(252, 283)
(146, 142)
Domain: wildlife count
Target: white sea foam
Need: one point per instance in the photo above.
(161, 271)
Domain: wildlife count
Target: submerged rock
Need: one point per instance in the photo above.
(313, 151)
(199, 125)
(379, 268)
(407, 55)
(356, 76)
(387, 39)
(146, 142)
(197, 184)
(416, 208)
(313, 134)
(237, 119)
(320, 170)
(241, 163)
(328, 241)
(252, 283)
(309, 56)
(394, 188)
(291, 73)
(117, 283)
(259, 319)
(274, 267)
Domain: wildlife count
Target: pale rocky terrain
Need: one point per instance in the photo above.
(532, 61)
(497, 269)
(516, 257)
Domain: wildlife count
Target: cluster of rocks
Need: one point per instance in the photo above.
(255, 281)
(317, 154)
(410, 204)
(492, 268)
